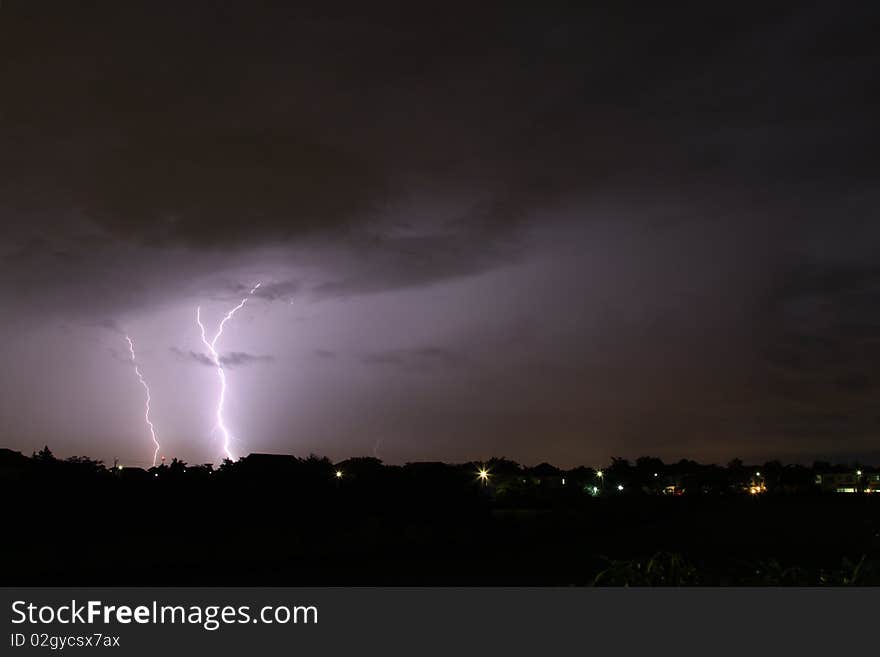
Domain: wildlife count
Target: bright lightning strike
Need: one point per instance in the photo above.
(149, 399)
(211, 345)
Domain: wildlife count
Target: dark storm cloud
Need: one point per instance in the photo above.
(276, 290)
(230, 359)
(421, 359)
(221, 191)
(387, 263)
(828, 313)
(857, 383)
(193, 356)
(239, 358)
(332, 117)
(213, 170)
(821, 328)
(111, 325)
(718, 165)
(828, 281)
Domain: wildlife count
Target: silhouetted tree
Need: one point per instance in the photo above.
(619, 464)
(544, 470)
(45, 455)
(85, 464)
(582, 476)
(177, 467)
(649, 464)
(502, 466)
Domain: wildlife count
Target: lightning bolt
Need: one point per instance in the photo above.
(149, 399)
(211, 345)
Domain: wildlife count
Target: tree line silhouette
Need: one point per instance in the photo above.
(506, 479)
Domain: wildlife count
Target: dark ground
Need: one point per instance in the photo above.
(226, 529)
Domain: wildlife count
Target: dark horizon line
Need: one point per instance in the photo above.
(494, 459)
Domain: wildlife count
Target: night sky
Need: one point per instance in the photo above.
(554, 233)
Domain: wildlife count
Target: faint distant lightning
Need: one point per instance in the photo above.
(149, 399)
(221, 373)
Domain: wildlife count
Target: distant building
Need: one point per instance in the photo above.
(849, 482)
(268, 462)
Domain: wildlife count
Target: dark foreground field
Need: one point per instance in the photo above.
(222, 529)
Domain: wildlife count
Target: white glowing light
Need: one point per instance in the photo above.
(483, 474)
(619, 486)
(221, 373)
(339, 474)
(149, 399)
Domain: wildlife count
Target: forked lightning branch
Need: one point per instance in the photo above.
(216, 360)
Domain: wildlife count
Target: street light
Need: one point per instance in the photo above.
(339, 474)
(483, 475)
(619, 486)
